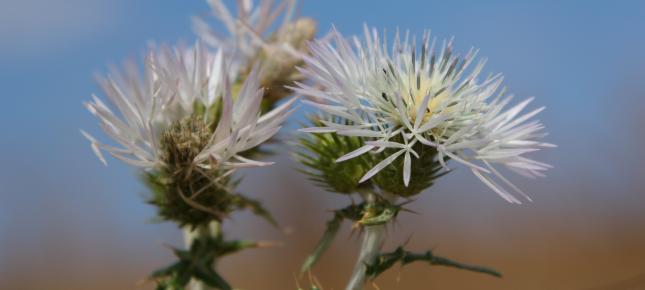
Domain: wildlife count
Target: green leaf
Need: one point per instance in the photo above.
(387, 260)
(333, 226)
(256, 207)
(211, 278)
(352, 212)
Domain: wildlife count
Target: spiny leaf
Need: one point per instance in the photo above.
(328, 237)
(256, 207)
(212, 278)
(352, 212)
(387, 260)
(197, 262)
(230, 247)
(380, 212)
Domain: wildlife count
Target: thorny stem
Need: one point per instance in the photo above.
(373, 240)
(212, 230)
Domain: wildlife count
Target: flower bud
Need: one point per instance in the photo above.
(281, 55)
(183, 192)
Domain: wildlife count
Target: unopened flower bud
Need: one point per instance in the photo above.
(282, 54)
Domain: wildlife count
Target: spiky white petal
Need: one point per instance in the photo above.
(174, 81)
(241, 127)
(249, 30)
(396, 97)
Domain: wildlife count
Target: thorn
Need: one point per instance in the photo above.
(407, 240)
(167, 246)
(375, 286)
(269, 244)
(409, 210)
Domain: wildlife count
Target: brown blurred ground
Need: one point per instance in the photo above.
(557, 242)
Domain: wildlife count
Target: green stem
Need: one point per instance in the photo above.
(212, 230)
(373, 240)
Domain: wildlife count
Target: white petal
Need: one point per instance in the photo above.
(510, 184)
(492, 185)
(407, 164)
(381, 165)
(317, 130)
(362, 133)
(95, 147)
(355, 153)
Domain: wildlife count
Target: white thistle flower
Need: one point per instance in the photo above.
(174, 83)
(250, 29)
(401, 97)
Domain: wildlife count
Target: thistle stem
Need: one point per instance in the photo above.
(373, 240)
(212, 230)
(370, 249)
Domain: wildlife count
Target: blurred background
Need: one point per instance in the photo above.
(67, 222)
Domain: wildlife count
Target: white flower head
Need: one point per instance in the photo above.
(177, 84)
(266, 30)
(404, 97)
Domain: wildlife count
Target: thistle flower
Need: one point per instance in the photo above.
(256, 37)
(189, 127)
(402, 101)
(176, 85)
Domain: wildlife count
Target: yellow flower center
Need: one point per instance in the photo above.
(417, 88)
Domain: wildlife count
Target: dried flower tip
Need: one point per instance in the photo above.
(183, 141)
(284, 51)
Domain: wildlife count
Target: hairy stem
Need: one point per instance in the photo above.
(212, 230)
(373, 240)
(370, 249)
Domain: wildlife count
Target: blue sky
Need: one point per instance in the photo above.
(576, 59)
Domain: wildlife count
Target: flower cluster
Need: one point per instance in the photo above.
(392, 118)
(402, 100)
